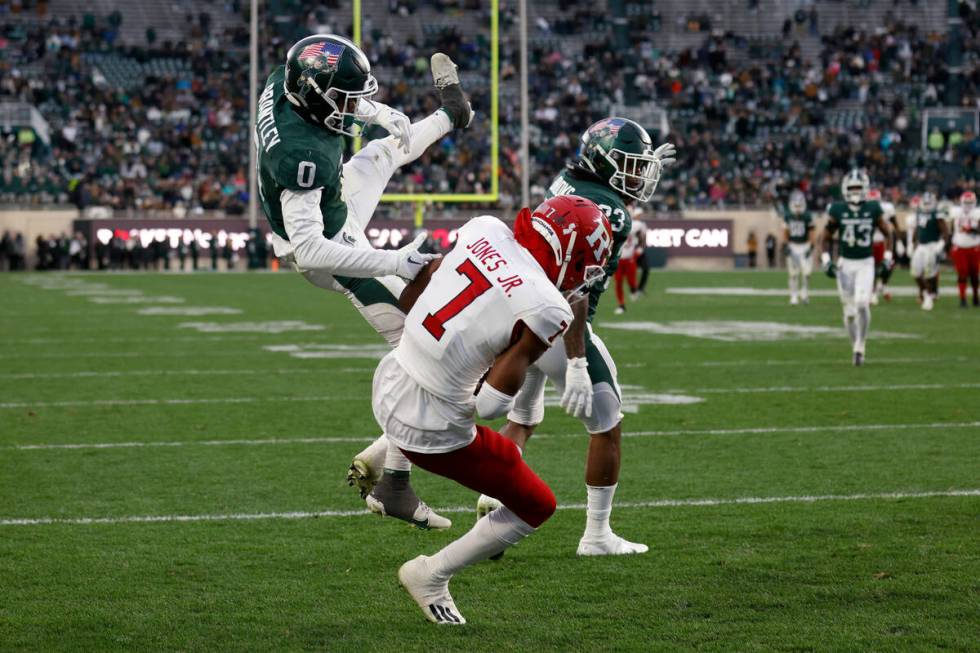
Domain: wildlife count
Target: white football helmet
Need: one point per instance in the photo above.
(797, 202)
(854, 187)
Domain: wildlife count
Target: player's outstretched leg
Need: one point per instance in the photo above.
(446, 80)
(393, 495)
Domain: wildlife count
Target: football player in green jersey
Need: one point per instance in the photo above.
(855, 219)
(318, 206)
(928, 244)
(616, 164)
(799, 235)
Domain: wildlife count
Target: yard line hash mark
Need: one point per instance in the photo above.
(657, 503)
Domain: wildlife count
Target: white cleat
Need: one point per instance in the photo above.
(445, 77)
(793, 300)
(485, 505)
(431, 595)
(609, 545)
(365, 470)
(874, 299)
(927, 301)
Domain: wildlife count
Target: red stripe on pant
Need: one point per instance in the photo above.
(492, 465)
(625, 270)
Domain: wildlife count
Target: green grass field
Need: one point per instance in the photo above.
(163, 488)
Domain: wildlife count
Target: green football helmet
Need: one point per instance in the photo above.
(620, 152)
(326, 76)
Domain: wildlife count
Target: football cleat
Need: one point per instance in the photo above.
(365, 470)
(794, 300)
(874, 299)
(927, 302)
(609, 545)
(858, 359)
(484, 506)
(619, 310)
(806, 300)
(393, 496)
(431, 594)
(446, 80)
(962, 302)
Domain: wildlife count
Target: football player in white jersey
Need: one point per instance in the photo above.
(492, 306)
(966, 245)
(883, 268)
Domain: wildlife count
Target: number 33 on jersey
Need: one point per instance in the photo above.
(467, 313)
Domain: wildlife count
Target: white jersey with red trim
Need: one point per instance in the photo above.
(632, 241)
(888, 213)
(966, 228)
(463, 320)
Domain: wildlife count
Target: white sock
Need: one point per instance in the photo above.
(806, 285)
(852, 329)
(376, 450)
(425, 132)
(599, 507)
(395, 460)
(863, 324)
(489, 536)
(792, 284)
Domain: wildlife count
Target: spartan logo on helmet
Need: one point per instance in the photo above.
(620, 152)
(797, 202)
(326, 77)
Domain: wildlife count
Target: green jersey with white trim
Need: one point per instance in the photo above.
(296, 155)
(569, 183)
(927, 227)
(799, 226)
(855, 227)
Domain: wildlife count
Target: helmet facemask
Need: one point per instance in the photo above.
(637, 175)
(343, 104)
(928, 202)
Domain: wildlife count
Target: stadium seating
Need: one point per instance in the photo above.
(760, 98)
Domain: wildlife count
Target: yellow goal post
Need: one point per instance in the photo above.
(420, 199)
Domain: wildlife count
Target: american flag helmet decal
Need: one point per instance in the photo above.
(324, 53)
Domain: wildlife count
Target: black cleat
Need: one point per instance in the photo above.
(454, 100)
(393, 496)
(858, 359)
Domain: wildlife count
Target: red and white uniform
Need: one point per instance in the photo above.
(878, 242)
(626, 268)
(966, 241)
(423, 392)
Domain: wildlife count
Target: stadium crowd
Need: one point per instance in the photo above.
(748, 127)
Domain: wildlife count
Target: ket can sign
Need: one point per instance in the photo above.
(691, 237)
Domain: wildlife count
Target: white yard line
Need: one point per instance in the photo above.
(123, 373)
(167, 402)
(835, 388)
(242, 400)
(630, 434)
(658, 503)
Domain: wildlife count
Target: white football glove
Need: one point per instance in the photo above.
(577, 400)
(397, 124)
(667, 154)
(411, 260)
